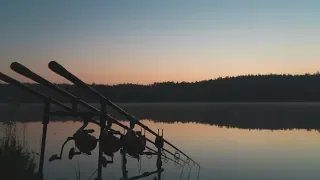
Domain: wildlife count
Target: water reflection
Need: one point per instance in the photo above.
(229, 141)
(224, 153)
(273, 116)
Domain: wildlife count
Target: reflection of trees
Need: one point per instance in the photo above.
(223, 124)
(243, 116)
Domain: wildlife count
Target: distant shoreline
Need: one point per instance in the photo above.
(241, 89)
(240, 115)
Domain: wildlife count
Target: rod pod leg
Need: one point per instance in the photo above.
(124, 164)
(45, 122)
(102, 128)
(159, 144)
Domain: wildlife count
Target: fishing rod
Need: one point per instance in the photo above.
(45, 121)
(149, 156)
(174, 155)
(20, 69)
(60, 70)
(46, 98)
(164, 156)
(158, 144)
(28, 73)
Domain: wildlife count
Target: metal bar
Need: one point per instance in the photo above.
(59, 69)
(159, 163)
(124, 164)
(45, 123)
(146, 174)
(64, 113)
(102, 127)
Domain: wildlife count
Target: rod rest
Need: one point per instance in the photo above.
(73, 114)
(149, 153)
(146, 174)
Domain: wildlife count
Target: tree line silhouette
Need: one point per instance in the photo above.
(248, 88)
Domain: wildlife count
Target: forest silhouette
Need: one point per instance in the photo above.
(248, 88)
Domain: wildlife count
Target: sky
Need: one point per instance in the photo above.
(148, 41)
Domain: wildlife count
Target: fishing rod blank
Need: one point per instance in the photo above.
(28, 73)
(10, 80)
(47, 99)
(17, 67)
(59, 69)
(154, 151)
(166, 151)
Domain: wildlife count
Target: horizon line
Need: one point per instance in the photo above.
(160, 82)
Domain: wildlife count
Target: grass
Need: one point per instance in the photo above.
(16, 161)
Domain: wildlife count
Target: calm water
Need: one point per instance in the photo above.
(223, 153)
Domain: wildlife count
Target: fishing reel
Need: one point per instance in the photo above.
(134, 143)
(110, 144)
(84, 142)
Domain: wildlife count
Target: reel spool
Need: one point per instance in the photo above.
(110, 143)
(134, 144)
(84, 142)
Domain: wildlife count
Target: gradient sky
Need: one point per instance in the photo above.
(169, 40)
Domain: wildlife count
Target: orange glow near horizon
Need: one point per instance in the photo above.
(143, 43)
(144, 78)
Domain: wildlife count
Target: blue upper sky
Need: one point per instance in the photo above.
(147, 41)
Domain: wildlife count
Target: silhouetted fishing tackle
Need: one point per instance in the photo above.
(110, 144)
(84, 142)
(132, 143)
(48, 101)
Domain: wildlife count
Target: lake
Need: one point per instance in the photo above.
(224, 152)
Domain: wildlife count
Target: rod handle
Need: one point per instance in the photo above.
(59, 69)
(19, 68)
